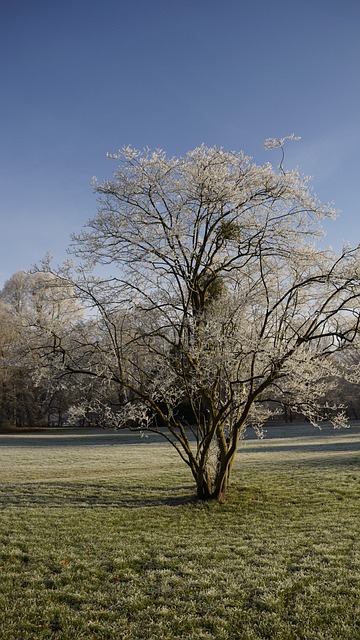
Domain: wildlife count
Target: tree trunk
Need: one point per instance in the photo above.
(214, 488)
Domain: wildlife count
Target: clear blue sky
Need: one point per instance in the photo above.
(80, 78)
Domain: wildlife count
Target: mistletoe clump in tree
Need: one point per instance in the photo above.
(218, 301)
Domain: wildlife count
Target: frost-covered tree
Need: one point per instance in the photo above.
(219, 307)
(33, 306)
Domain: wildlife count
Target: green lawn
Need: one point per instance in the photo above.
(102, 542)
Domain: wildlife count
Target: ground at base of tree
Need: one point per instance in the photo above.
(104, 542)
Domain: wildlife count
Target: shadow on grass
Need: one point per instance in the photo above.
(323, 447)
(96, 437)
(349, 462)
(62, 494)
(65, 439)
(127, 496)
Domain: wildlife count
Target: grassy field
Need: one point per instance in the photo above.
(103, 542)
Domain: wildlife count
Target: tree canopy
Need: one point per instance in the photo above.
(214, 304)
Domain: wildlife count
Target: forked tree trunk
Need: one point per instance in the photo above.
(214, 486)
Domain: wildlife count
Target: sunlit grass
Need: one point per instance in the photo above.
(105, 542)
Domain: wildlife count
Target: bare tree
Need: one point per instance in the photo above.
(32, 308)
(219, 305)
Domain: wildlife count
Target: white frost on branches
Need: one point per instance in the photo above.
(274, 143)
(220, 308)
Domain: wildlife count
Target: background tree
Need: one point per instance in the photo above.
(8, 367)
(218, 301)
(20, 400)
(346, 392)
(32, 307)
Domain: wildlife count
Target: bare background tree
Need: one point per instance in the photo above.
(33, 308)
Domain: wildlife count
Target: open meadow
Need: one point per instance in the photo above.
(100, 539)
